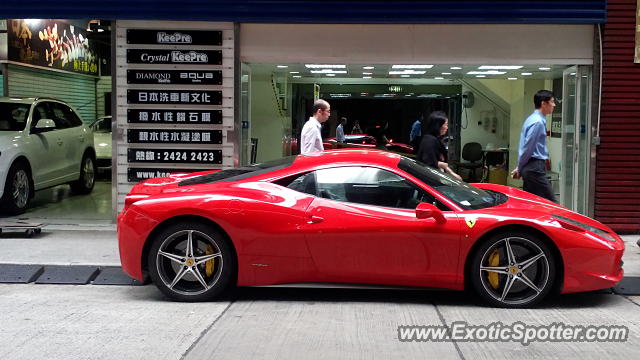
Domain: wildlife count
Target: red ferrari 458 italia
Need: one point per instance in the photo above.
(359, 217)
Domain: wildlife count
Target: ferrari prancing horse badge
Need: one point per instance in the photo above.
(471, 221)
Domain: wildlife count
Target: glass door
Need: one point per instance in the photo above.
(576, 129)
(245, 115)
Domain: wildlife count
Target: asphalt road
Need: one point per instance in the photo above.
(136, 322)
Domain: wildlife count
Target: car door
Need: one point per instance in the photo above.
(45, 149)
(72, 137)
(363, 227)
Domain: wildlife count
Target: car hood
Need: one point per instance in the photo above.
(533, 206)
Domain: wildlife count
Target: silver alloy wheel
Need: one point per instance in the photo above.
(88, 171)
(523, 270)
(21, 188)
(182, 259)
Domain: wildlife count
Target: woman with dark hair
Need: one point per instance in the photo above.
(432, 151)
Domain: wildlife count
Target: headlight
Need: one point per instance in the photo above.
(603, 234)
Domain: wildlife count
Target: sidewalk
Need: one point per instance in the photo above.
(97, 244)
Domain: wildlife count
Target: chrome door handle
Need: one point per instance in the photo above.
(60, 142)
(315, 219)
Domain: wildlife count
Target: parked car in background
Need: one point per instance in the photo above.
(367, 141)
(43, 143)
(102, 141)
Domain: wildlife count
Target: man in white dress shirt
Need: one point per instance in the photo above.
(311, 138)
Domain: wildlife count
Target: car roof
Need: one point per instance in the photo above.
(25, 100)
(359, 156)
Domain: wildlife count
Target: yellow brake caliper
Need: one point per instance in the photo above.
(208, 265)
(494, 260)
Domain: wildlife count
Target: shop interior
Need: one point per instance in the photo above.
(486, 104)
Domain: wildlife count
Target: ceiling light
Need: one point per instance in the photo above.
(572, 73)
(411, 66)
(367, 73)
(294, 72)
(340, 95)
(544, 68)
(481, 75)
(297, 76)
(500, 67)
(488, 72)
(325, 66)
(368, 67)
(438, 78)
(455, 68)
(408, 95)
(405, 75)
(328, 71)
(446, 73)
(282, 66)
(526, 73)
(407, 72)
(330, 74)
(512, 78)
(366, 77)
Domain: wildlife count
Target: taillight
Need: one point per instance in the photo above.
(130, 199)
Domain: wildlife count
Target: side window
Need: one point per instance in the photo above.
(305, 183)
(40, 112)
(371, 186)
(73, 118)
(61, 116)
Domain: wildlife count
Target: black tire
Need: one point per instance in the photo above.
(513, 284)
(191, 278)
(17, 190)
(87, 180)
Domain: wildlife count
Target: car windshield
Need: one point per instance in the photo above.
(102, 125)
(464, 195)
(241, 172)
(13, 116)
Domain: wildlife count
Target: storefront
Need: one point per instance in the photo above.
(249, 68)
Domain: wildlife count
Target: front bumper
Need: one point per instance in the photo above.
(133, 231)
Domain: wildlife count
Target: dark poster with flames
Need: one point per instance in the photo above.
(51, 43)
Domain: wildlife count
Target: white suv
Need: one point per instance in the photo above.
(43, 143)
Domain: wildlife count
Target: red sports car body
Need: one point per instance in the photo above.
(361, 217)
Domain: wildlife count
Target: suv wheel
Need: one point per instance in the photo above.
(87, 180)
(17, 190)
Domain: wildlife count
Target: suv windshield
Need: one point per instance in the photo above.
(464, 195)
(13, 116)
(241, 172)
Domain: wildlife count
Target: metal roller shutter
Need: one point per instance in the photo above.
(79, 91)
(619, 153)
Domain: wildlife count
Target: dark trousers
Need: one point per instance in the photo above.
(534, 176)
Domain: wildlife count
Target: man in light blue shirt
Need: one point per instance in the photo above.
(416, 133)
(532, 152)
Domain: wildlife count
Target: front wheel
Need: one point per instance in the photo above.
(17, 190)
(191, 262)
(513, 270)
(87, 180)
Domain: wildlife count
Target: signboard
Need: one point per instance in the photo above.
(190, 57)
(51, 43)
(174, 136)
(191, 97)
(196, 77)
(174, 37)
(161, 116)
(183, 156)
(138, 174)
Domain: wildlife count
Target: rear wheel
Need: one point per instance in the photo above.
(17, 190)
(514, 270)
(87, 180)
(191, 262)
